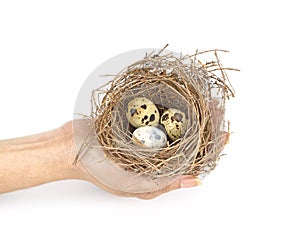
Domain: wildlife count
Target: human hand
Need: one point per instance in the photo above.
(47, 157)
(125, 183)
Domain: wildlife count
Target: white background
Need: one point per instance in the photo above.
(47, 50)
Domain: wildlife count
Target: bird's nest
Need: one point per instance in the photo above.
(199, 89)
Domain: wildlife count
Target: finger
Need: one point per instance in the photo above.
(189, 181)
(183, 182)
(227, 138)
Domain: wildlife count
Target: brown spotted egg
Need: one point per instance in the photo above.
(175, 123)
(150, 137)
(142, 112)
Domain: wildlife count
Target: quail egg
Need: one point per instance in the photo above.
(150, 137)
(142, 112)
(175, 123)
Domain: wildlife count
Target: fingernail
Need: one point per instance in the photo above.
(190, 182)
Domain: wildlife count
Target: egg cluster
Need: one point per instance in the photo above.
(151, 128)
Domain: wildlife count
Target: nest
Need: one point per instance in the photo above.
(198, 89)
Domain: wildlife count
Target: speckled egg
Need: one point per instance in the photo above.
(142, 112)
(175, 123)
(150, 137)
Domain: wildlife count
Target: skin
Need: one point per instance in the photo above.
(34, 160)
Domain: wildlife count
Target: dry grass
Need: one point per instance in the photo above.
(183, 82)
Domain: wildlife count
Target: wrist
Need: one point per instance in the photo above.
(73, 171)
